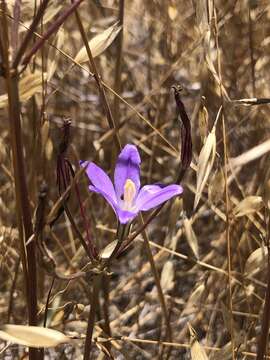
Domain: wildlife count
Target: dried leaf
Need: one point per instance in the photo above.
(28, 8)
(203, 122)
(213, 71)
(216, 187)
(8, 240)
(197, 352)
(191, 237)
(54, 55)
(205, 163)
(256, 261)
(172, 12)
(202, 16)
(49, 149)
(175, 214)
(226, 351)
(251, 155)
(227, 318)
(2, 150)
(32, 336)
(167, 276)
(266, 195)
(99, 43)
(108, 250)
(44, 134)
(249, 205)
(29, 85)
(195, 297)
(194, 300)
(50, 12)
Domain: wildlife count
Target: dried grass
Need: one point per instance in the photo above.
(219, 53)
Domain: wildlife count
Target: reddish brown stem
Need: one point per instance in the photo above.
(102, 93)
(52, 29)
(24, 222)
(30, 33)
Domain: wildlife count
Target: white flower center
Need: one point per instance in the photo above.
(129, 194)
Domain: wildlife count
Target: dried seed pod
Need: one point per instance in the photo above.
(216, 187)
(203, 120)
(205, 164)
(186, 140)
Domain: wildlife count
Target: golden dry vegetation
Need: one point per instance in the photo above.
(195, 283)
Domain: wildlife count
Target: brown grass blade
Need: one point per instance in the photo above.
(99, 43)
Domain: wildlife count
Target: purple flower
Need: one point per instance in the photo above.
(126, 196)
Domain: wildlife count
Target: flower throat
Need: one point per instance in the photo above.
(129, 194)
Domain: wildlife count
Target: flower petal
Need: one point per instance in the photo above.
(127, 167)
(99, 179)
(125, 216)
(107, 197)
(151, 196)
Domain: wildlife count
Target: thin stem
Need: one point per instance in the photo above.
(251, 47)
(142, 227)
(157, 282)
(99, 82)
(227, 203)
(93, 250)
(15, 25)
(24, 222)
(18, 164)
(63, 175)
(12, 290)
(91, 319)
(228, 238)
(106, 294)
(47, 302)
(118, 67)
(52, 29)
(46, 309)
(30, 33)
(75, 227)
(122, 231)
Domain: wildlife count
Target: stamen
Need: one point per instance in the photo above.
(129, 194)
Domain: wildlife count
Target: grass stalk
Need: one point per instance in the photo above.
(226, 194)
(24, 222)
(228, 238)
(118, 66)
